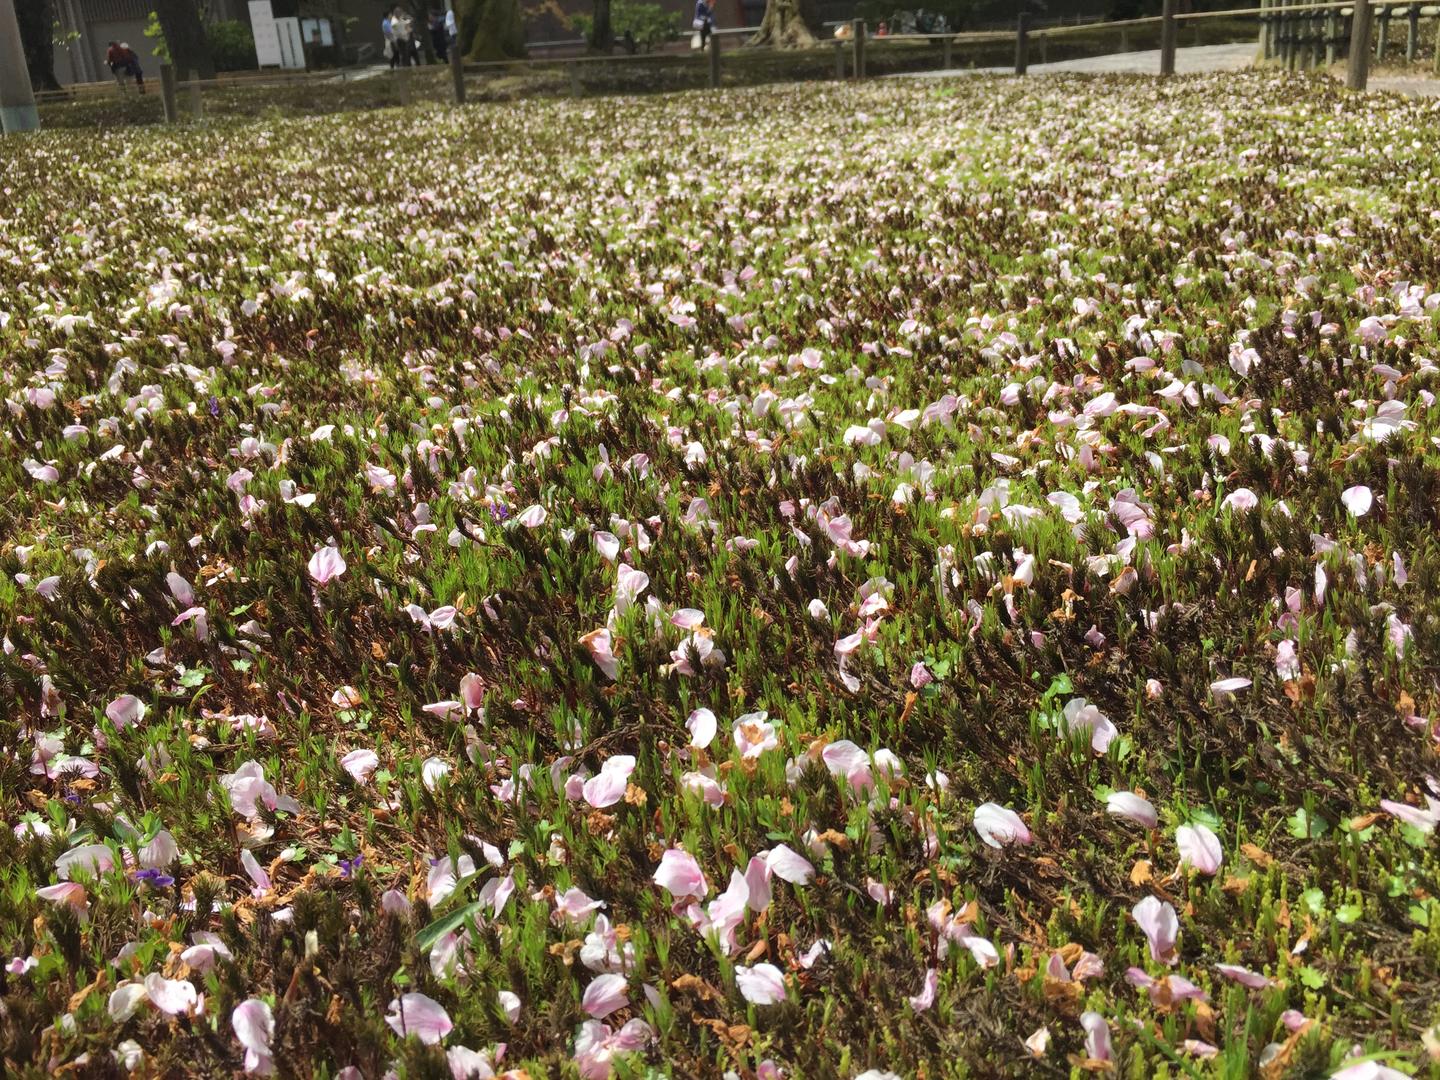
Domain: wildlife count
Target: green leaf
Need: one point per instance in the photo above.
(1306, 826)
(427, 937)
(1206, 817)
(1348, 913)
(1312, 978)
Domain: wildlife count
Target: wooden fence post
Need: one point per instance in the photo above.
(167, 92)
(839, 60)
(197, 107)
(574, 70)
(1358, 73)
(1332, 37)
(1290, 39)
(1437, 45)
(858, 29)
(1022, 43)
(1412, 33)
(457, 73)
(946, 54)
(1167, 38)
(714, 61)
(1383, 40)
(1264, 29)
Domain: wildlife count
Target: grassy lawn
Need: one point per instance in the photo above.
(818, 581)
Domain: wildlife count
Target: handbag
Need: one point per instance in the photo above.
(695, 41)
(697, 24)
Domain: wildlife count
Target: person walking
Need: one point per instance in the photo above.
(704, 21)
(124, 63)
(387, 29)
(403, 30)
(439, 36)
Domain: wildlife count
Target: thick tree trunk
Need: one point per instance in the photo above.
(37, 38)
(490, 29)
(602, 34)
(185, 38)
(787, 24)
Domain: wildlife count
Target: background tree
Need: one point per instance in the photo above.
(185, 38)
(788, 24)
(490, 29)
(37, 38)
(601, 37)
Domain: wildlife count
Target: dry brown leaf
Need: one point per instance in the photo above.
(1205, 1020)
(1141, 873)
(78, 998)
(910, 698)
(1063, 995)
(565, 950)
(1279, 1065)
(1047, 866)
(693, 984)
(1257, 855)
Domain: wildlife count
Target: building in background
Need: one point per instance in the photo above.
(85, 29)
(353, 26)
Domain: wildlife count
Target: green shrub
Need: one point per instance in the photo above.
(232, 45)
(649, 24)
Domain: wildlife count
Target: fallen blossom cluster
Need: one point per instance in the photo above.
(865, 582)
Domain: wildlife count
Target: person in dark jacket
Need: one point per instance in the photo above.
(704, 21)
(439, 36)
(124, 63)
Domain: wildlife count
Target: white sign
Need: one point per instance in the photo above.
(267, 39)
(292, 47)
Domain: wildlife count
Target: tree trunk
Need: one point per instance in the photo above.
(37, 38)
(490, 29)
(787, 24)
(185, 38)
(602, 35)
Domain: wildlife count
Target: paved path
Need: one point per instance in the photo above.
(1403, 84)
(1196, 60)
(1192, 61)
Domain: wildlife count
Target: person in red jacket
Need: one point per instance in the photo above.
(123, 62)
